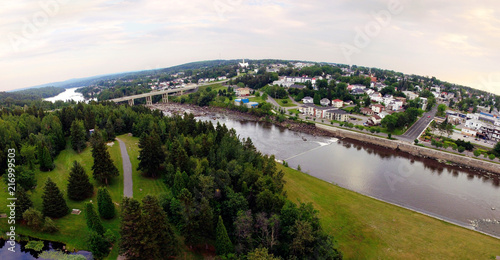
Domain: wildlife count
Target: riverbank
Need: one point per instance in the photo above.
(329, 131)
(415, 150)
(366, 228)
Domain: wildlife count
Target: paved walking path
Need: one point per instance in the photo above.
(127, 171)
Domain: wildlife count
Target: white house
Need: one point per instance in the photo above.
(324, 102)
(377, 108)
(337, 103)
(308, 100)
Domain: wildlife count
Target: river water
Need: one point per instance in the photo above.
(69, 94)
(457, 195)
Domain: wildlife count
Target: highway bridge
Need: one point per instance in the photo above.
(163, 93)
(149, 95)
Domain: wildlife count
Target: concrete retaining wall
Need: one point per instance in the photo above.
(414, 149)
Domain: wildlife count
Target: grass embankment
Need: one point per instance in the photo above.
(366, 228)
(72, 228)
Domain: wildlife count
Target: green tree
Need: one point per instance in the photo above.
(223, 244)
(45, 159)
(105, 205)
(316, 98)
(161, 241)
(93, 221)
(441, 111)
(496, 149)
(151, 154)
(25, 177)
(98, 245)
(78, 134)
(79, 186)
(103, 168)
(131, 230)
(34, 219)
(261, 254)
(28, 154)
(23, 202)
(54, 205)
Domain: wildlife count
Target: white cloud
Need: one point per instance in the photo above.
(85, 38)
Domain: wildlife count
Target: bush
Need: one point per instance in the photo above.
(34, 219)
(49, 226)
(492, 157)
(416, 141)
(35, 245)
(477, 153)
(461, 149)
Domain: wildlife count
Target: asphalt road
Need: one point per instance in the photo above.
(419, 126)
(127, 171)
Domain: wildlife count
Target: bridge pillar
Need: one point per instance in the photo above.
(164, 98)
(149, 101)
(131, 102)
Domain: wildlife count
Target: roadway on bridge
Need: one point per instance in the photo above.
(416, 129)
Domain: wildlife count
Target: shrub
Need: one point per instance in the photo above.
(416, 141)
(461, 149)
(49, 226)
(34, 218)
(492, 157)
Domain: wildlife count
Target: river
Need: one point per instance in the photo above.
(464, 197)
(69, 94)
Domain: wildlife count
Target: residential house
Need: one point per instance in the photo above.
(241, 92)
(473, 124)
(324, 102)
(375, 120)
(377, 108)
(308, 100)
(357, 91)
(410, 95)
(366, 111)
(337, 103)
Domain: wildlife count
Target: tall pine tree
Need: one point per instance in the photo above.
(78, 134)
(223, 244)
(79, 186)
(23, 202)
(103, 168)
(105, 205)
(160, 240)
(54, 205)
(44, 158)
(131, 230)
(151, 155)
(93, 221)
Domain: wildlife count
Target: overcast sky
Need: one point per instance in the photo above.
(53, 40)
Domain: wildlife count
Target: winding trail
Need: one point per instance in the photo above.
(127, 171)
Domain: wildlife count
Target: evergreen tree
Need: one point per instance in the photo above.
(223, 244)
(160, 240)
(54, 205)
(179, 184)
(79, 186)
(98, 245)
(105, 205)
(78, 134)
(151, 155)
(23, 202)
(103, 168)
(93, 221)
(131, 230)
(45, 159)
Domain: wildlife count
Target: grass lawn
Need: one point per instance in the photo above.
(285, 102)
(366, 228)
(148, 185)
(215, 86)
(347, 109)
(72, 227)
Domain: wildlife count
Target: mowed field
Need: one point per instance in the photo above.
(366, 228)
